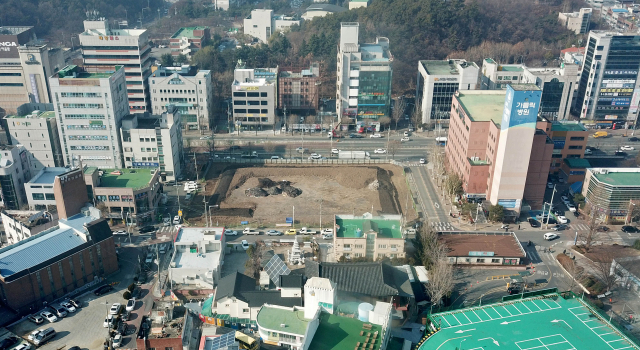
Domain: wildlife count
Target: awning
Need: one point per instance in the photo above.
(575, 187)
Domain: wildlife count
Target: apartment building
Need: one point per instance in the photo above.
(154, 142)
(186, 88)
(89, 107)
(35, 128)
(577, 22)
(103, 47)
(25, 65)
(440, 80)
(14, 172)
(609, 88)
(188, 40)
(368, 236)
(363, 76)
(298, 88)
(255, 96)
(262, 23)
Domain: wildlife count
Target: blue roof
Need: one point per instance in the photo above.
(48, 175)
(619, 10)
(37, 249)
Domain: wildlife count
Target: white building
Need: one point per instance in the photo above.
(197, 256)
(321, 10)
(363, 76)
(609, 89)
(39, 189)
(25, 65)
(89, 109)
(578, 22)
(319, 293)
(262, 23)
(225, 4)
(153, 142)
(22, 224)
(103, 47)
(354, 4)
(14, 172)
(35, 128)
(440, 80)
(188, 89)
(255, 96)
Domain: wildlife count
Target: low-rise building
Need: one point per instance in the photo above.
(77, 253)
(321, 10)
(298, 88)
(254, 96)
(127, 194)
(188, 40)
(39, 190)
(14, 172)
(612, 191)
(188, 89)
(574, 169)
(577, 22)
(168, 326)
(22, 224)
(154, 142)
(34, 127)
(196, 260)
(469, 248)
(569, 142)
(354, 236)
(354, 4)
(262, 23)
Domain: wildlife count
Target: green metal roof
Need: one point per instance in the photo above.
(559, 126)
(484, 107)
(187, 32)
(478, 162)
(130, 178)
(273, 317)
(577, 163)
(619, 179)
(510, 69)
(343, 333)
(206, 307)
(354, 228)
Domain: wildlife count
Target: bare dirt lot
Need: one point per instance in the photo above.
(342, 190)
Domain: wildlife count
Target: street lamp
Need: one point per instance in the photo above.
(481, 300)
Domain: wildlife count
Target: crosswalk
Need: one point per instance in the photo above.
(579, 227)
(442, 226)
(142, 239)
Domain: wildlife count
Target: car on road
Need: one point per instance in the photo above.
(250, 231)
(562, 219)
(273, 233)
(422, 160)
(355, 136)
(115, 308)
(120, 233)
(550, 236)
(245, 244)
(405, 139)
(564, 199)
(117, 340)
(205, 138)
(559, 227)
(327, 236)
(549, 185)
(291, 231)
(315, 156)
(176, 220)
(626, 148)
(275, 157)
(335, 151)
(166, 222)
(620, 154)
(37, 319)
(230, 233)
(629, 229)
(327, 231)
(633, 139)
(558, 212)
(571, 207)
(375, 136)
(188, 197)
(406, 133)
(67, 306)
(49, 316)
(131, 304)
(380, 151)
(102, 290)
(534, 223)
(147, 229)
(149, 258)
(603, 229)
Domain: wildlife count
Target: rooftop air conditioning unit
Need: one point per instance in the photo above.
(604, 171)
(282, 325)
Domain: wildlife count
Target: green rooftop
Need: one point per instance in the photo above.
(343, 333)
(510, 69)
(559, 126)
(577, 163)
(355, 228)
(484, 107)
(440, 67)
(619, 179)
(272, 317)
(187, 32)
(130, 178)
(44, 115)
(478, 162)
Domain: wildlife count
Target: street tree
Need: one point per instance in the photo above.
(269, 147)
(292, 119)
(594, 219)
(384, 121)
(416, 116)
(393, 147)
(181, 59)
(398, 110)
(579, 200)
(453, 185)
(601, 266)
(440, 275)
(253, 264)
(496, 213)
(166, 60)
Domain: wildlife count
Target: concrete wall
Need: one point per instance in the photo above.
(71, 193)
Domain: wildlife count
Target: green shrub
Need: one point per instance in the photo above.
(131, 287)
(588, 281)
(636, 244)
(126, 295)
(598, 303)
(599, 287)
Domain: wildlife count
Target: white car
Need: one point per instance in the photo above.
(380, 151)
(131, 304)
(335, 151)
(315, 156)
(550, 235)
(205, 138)
(115, 308)
(107, 321)
(231, 233)
(588, 151)
(626, 148)
(275, 157)
(33, 334)
(375, 136)
(562, 219)
(273, 233)
(23, 346)
(571, 207)
(405, 139)
(49, 316)
(245, 244)
(176, 220)
(422, 160)
(117, 340)
(120, 233)
(327, 231)
(67, 306)
(564, 198)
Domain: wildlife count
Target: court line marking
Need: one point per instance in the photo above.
(465, 315)
(546, 346)
(594, 332)
(454, 316)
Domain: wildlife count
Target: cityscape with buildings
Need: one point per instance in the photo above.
(320, 175)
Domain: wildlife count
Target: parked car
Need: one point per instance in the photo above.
(37, 319)
(147, 229)
(120, 233)
(125, 316)
(117, 341)
(376, 135)
(49, 316)
(549, 185)
(188, 197)
(115, 308)
(230, 233)
(534, 223)
(550, 236)
(588, 152)
(245, 244)
(327, 231)
(8, 342)
(620, 154)
(58, 311)
(629, 229)
(23, 346)
(571, 207)
(102, 290)
(603, 229)
(176, 220)
(380, 151)
(107, 321)
(166, 222)
(34, 334)
(131, 304)
(44, 336)
(422, 160)
(149, 258)
(626, 148)
(275, 157)
(67, 306)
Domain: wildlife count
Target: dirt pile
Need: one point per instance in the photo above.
(374, 185)
(255, 192)
(268, 187)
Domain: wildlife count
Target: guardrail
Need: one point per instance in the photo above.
(300, 161)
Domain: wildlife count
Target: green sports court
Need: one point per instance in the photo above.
(544, 322)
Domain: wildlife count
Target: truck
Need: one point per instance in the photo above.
(306, 231)
(599, 134)
(250, 231)
(353, 155)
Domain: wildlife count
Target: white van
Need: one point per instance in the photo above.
(550, 235)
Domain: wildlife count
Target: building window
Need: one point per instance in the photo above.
(359, 246)
(50, 196)
(577, 138)
(263, 94)
(38, 196)
(382, 246)
(495, 261)
(245, 310)
(479, 260)
(575, 147)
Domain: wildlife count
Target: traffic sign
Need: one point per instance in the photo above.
(179, 212)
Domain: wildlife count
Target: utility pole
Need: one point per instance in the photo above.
(195, 163)
(320, 213)
(550, 206)
(293, 222)
(386, 153)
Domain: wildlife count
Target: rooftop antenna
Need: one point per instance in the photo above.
(93, 15)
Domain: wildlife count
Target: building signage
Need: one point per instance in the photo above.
(559, 143)
(445, 79)
(108, 37)
(618, 81)
(635, 101)
(616, 90)
(145, 164)
(620, 72)
(520, 108)
(249, 88)
(481, 253)
(509, 203)
(610, 117)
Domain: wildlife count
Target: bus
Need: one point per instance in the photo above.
(247, 342)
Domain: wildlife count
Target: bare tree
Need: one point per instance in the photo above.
(416, 116)
(384, 121)
(253, 265)
(293, 119)
(601, 266)
(269, 147)
(398, 110)
(453, 185)
(594, 220)
(440, 275)
(393, 147)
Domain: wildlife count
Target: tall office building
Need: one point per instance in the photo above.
(89, 108)
(25, 65)
(255, 96)
(363, 76)
(609, 88)
(578, 22)
(440, 80)
(103, 47)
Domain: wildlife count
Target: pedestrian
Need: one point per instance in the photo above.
(564, 251)
(518, 226)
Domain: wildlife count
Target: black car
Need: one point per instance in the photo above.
(232, 148)
(559, 227)
(102, 290)
(147, 229)
(634, 139)
(8, 342)
(534, 223)
(603, 229)
(629, 229)
(620, 153)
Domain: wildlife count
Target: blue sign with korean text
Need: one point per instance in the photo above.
(481, 253)
(289, 220)
(145, 164)
(520, 108)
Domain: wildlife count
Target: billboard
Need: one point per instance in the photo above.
(520, 108)
(635, 101)
(11, 38)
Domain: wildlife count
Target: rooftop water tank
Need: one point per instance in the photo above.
(363, 311)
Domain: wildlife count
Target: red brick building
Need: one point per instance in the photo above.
(188, 40)
(298, 89)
